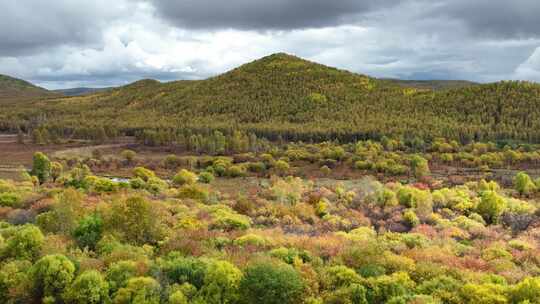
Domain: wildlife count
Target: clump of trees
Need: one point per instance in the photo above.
(41, 167)
(524, 185)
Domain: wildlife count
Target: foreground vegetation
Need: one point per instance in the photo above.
(175, 235)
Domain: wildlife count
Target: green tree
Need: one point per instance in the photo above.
(235, 171)
(180, 270)
(56, 170)
(336, 277)
(281, 166)
(185, 177)
(442, 287)
(136, 220)
(221, 283)
(41, 167)
(383, 288)
(25, 243)
(491, 206)
(143, 173)
(65, 213)
(524, 184)
(410, 218)
(119, 274)
(206, 177)
(140, 290)
(89, 231)
(15, 282)
(51, 275)
(88, 288)
(220, 143)
(271, 283)
(419, 166)
(178, 297)
(67, 210)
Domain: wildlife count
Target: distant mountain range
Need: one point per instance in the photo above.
(16, 88)
(80, 91)
(285, 96)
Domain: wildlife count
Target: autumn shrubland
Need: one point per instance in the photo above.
(281, 181)
(250, 227)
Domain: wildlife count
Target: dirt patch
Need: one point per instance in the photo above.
(14, 154)
(86, 151)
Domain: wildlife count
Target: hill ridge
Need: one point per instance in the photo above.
(282, 95)
(11, 87)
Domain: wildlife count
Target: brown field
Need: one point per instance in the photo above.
(15, 156)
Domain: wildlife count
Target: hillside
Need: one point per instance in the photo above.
(283, 95)
(13, 88)
(80, 91)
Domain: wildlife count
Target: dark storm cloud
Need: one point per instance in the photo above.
(29, 26)
(509, 19)
(264, 14)
(65, 43)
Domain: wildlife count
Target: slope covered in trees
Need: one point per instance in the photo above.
(13, 88)
(288, 97)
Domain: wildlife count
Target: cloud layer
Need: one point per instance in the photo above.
(28, 26)
(68, 43)
(495, 18)
(264, 14)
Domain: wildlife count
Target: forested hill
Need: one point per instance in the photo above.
(283, 95)
(13, 88)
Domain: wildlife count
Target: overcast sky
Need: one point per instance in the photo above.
(70, 43)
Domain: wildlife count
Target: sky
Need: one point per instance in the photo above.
(99, 43)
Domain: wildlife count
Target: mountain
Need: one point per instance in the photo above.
(283, 95)
(13, 88)
(80, 91)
